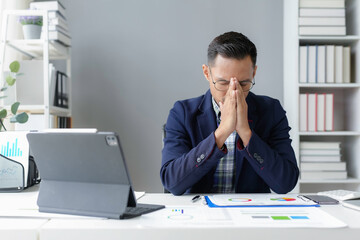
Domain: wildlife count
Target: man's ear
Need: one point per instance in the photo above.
(254, 73)
(206, 72)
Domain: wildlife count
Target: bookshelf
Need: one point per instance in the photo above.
(44, 50)
(346, 96)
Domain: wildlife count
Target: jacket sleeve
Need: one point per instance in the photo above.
(183, 164)
(274, 159)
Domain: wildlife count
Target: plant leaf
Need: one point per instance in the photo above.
(3, 113)
(22, 117)
(14, 66)
(10, 80)
(15, 107)
(3, 89)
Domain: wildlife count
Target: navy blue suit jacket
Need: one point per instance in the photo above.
(190, 155)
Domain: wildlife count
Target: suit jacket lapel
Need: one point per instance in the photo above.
(206, 119)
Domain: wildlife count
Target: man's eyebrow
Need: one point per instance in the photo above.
(246, 80)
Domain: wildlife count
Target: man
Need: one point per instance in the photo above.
(228, 140)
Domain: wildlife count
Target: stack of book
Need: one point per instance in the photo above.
(321, 161)
(316, 112)
(324, 64)
(322, 17)
(58, 27)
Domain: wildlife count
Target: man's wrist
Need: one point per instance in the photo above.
(220, 137)
(245, 137)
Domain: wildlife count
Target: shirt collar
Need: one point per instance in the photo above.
(216, 109)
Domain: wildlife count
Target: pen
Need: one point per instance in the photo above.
(196, 198)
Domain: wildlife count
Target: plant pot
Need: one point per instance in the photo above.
(32, 31)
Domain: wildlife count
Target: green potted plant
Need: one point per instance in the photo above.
(31, 26)
(10, 81)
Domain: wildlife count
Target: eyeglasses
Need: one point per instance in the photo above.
(223, 85)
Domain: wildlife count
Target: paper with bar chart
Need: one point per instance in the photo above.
(14, 146)
(205, 217)
(258, 200)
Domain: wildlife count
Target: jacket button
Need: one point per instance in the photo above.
(198, 160)
(255, 155)
(202, 156)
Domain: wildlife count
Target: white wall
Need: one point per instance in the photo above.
(132, 59)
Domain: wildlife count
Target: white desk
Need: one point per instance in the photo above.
(41, 226)
(19, 227)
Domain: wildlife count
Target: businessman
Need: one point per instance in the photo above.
(228, 140)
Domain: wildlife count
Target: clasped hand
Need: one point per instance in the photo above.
(234, 116)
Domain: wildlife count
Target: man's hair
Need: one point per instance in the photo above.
(231, 45)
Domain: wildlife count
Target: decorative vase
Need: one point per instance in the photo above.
(32, 31)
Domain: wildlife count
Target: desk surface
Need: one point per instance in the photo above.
(27, 223)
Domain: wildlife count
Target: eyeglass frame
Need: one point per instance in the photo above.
(240, 82)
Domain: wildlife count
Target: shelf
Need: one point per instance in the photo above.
(333, 133)
(328, 39)
(329, 85)
(34, 48)
(39, 109)
(348, 180)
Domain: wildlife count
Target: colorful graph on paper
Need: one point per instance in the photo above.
(14, 145)
(283, 199)
(11, 149)
(228, 200)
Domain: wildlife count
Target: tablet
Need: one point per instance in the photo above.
(353, 203)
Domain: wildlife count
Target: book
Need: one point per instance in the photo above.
(59, 22)
(312, 112)
(321, 64)
(329, 112)
(58, 28)
(322, 12)
(303, 53)
(55, 14)
(322, 3)
(319, 145)
(303, 111)
(312, 175)
(322, 21)
(59, 36)
(49, 5)
(330, 63)
(312, 64)
(346, 64)
(322, 30)
(320, 158)
(323, 166)
(339, 64)
(320, 112)
(315, 152)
